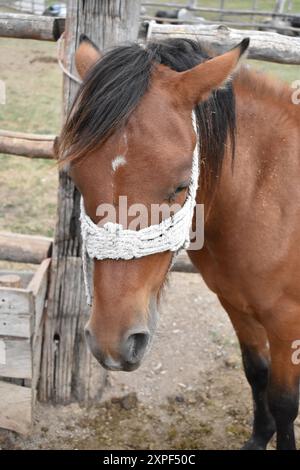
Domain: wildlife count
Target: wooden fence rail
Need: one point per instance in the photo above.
(44, 28)
(264, 45)
(34, 249)
(268, 46)
(250, 24)
(21, 248)
(27, 145)
(224, 11)
(21, 327)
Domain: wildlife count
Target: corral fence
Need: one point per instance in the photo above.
(36, 7)
(42, 348)
(281, 17)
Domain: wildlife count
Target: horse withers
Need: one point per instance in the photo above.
(130, 133)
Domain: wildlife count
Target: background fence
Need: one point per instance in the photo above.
(282, 16)
(279, 15)
(275, 15)
(27, 6)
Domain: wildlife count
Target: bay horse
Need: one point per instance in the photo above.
(136, 102)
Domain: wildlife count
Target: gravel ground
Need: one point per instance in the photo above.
(190, 393)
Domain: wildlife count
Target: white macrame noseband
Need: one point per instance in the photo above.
(112, 241)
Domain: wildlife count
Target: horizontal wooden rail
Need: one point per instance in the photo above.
(240, 24)
(49, 29)
(27, 136)
(34, 249)
(24, 248)
(269, 46)
(27, 145)
(21, 26)
(223, 11)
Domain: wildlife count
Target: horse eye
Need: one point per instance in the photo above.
(179, 189)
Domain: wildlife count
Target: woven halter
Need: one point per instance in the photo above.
(112, 241)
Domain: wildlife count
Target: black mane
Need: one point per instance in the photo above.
(116, 84)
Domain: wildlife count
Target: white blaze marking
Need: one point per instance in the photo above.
(2, 352)
(118, 161)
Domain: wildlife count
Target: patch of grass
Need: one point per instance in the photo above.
(288, 73)
(33, 86)
(239, 431)
(33, 81)
(28, 195)
(263, 5)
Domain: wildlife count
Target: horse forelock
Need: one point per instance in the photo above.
(115, 86)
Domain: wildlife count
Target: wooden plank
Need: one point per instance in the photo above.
(68, 368)
(10, 280)
(15, 408)
(226, 11)
(15, 301)
(241, 24)
(16, 324)
(21, 26)
(33, 148)
(24, 248)
(279, 6)
(25, 276)
(27, 136)
(36, 283)
(38, 286)
(264, 45)
(31, 6)
(15, 358)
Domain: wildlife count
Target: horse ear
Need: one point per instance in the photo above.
(86, 55)
(196, 84)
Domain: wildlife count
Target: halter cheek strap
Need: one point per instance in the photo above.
(112, 241)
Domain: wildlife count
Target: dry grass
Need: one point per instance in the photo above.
(33, 88)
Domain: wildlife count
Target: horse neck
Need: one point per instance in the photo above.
(267, 92)
(267, 127)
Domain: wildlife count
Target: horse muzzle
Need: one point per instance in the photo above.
(131, 351)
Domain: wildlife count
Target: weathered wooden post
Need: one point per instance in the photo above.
(279, 6)
(69, 372)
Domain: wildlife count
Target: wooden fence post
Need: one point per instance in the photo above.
(279, 6)
(68, 371)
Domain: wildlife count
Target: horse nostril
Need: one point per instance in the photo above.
(135, 347)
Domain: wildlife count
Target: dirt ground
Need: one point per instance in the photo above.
(190, 393)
